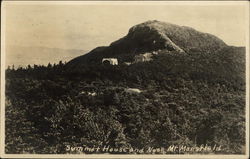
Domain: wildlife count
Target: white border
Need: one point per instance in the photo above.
(3, 13)
(2, 128)
(247, 76)
(199, 3)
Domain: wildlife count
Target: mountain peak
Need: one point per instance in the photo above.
(175, 37)
(154, 24)
(154, 35)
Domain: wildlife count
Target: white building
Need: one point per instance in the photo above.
(111, 61)
(143, 57)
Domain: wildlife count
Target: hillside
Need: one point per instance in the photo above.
(152, 36)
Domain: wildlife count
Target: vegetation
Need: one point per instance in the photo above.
(187, 99)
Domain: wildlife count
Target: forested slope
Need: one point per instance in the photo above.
(190, 98)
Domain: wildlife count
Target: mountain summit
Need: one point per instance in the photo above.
(153, 36)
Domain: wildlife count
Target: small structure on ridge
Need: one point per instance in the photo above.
(111, 61)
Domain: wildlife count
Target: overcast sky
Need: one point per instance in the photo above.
(86, 26)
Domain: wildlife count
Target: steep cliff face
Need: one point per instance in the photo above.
(153, 36)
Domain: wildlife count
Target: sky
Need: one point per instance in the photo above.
(88, 25)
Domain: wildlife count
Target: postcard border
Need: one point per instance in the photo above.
(2, 110)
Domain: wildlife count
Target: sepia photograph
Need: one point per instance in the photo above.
(125, 79)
